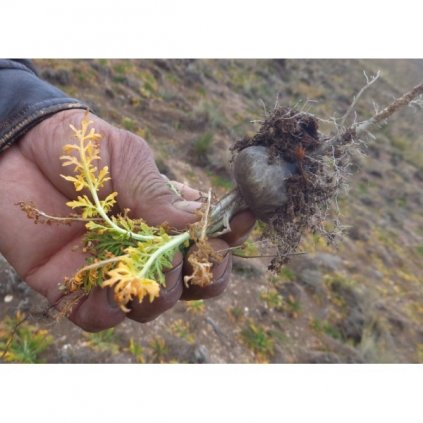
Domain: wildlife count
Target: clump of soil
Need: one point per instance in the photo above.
(293, 136)
(284, 132)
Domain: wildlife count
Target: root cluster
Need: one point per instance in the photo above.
(318, 177)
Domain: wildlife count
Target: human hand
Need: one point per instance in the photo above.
(43, 255)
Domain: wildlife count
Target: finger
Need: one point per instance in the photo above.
(169, 295)
(241, 226)
(98, 311)
(221, 274)
(142, 188)
(188, 193)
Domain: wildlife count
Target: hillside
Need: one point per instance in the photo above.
(360, 300)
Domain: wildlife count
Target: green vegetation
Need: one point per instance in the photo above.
(136, 350)
(258, 340)
(201, 146)
(221, 182)
(273, 299)
(195, 306)
(236, 313)
(21, 342)
(149, 85)
(129, 124)
(181, 329)
(103, 341)
(287, 274)
(326, 327)
(288, 305)
(159, 350)
(249, 248)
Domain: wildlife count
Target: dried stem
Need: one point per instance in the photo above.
(363, 127)
(357, 97)
(402, 101)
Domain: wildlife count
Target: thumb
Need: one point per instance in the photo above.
(143, 189)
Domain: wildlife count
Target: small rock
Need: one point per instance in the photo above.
(8, 298)
(352, 326)
(109, 92)
(201, 354)
(358, 233)
(66, 354)
(311, 278)
(329, 261)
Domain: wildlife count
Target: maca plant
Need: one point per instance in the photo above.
(288, 175)
(122, 253)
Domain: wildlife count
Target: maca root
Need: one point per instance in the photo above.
(293, 136)
(313, 169)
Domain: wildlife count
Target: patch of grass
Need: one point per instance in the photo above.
(144, 133)
(325, 327)
(236, 313)
(288, 305)
(129, 124)
(120, 68)
(249, 248)
(21, 342)
(401, 202)
(195, 307)
(258, 340)
(273, 299)
(339, 278)
(291, 306)
(149, 85)
(363, 187)
(220, 181)
(119, 79)
(181, 329)
(136, 350)
(201, 146)
(159, 350)
(287, 274)
(400, 143)
(103, 341)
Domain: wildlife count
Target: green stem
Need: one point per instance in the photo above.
(102, 263)
(100, 209)
(176, 241)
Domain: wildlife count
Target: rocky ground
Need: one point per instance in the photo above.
(359, 301)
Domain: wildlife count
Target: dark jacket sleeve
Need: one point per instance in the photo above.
(26, 100)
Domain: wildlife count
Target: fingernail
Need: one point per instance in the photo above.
(111, 298)
(187, 206)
